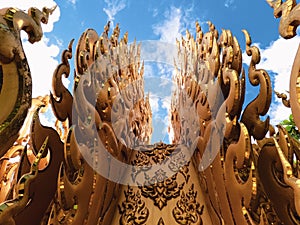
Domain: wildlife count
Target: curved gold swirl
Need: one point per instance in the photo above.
(294, 89)
(289, 12)
(239, 188)
(85, 50)
(61, 99)
(260, 105)
(285, 101)
(9, 209)
(245, 181)
(271, 164)
(42, 191)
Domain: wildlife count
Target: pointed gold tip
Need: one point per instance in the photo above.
(270, 2)
(52, 9)
(247, 37)
(274, 3)
(49, 11)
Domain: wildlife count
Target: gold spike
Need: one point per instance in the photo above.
(107, 27)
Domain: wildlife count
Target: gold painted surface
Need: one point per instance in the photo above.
(251, 177)
(15, 73)
(170, 200)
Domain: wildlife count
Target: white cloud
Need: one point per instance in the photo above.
(163, 53)
(278, 59)
(42, 64)
(47, 118)
(228, 3)
(113, 7)
(171, 27)
(40, 55)
(177, 20)
(154, 102)
(73, 2)
(166, 102)
(155, 12)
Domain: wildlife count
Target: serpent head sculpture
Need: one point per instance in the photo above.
(15, 76)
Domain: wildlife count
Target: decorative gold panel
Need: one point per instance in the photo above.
(225, 164)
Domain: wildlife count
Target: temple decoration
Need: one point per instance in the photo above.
(15, 82)
(225, 165)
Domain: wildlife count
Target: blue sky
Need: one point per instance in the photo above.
(164, 21)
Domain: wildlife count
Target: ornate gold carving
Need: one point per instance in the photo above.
(289, 13)
(133, 210)
(270, 170)
(244, 182)
(294, 89)
(161, 188)
(290, 20)
(61, 99)
(285, 101)
(9, 163)
(85, 197)
(157, 154)
(42, 191)
(9, 209)
(179, 163)
(260, 105)
(188, 210)
(160, 152)
(161, 221)
(15, 92)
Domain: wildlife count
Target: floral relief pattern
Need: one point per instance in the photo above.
(187, 209)
(133, 210)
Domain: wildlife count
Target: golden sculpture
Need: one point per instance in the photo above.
(14, 65)
(225, 165)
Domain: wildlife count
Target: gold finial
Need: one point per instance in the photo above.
(107, 27)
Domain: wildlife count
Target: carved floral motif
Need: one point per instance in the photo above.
(247, 177)
(162, 188)
(133, 210)
(188, 210)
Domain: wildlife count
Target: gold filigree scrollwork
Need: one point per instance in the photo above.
(84, 196)
(160, 152)
(238, 175)
(15, 88)
(274, 173)
(161, 221)
(179, 163)
(160, 188)
(42, 191)
(284, 98)
(157, 154)
(75, 187)
(227, 178)
(231, 68)
(10, 162)
(232, 85)
(142, 164)
(260, 105)
(289, 12)
(9, 209)
(85, 51)
(290, 179)
(294, 89)
(188, 210)
(133, 210)
(8, 167)
(61, 99)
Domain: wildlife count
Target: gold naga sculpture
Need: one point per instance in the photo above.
(15, 67)
(224, 166)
